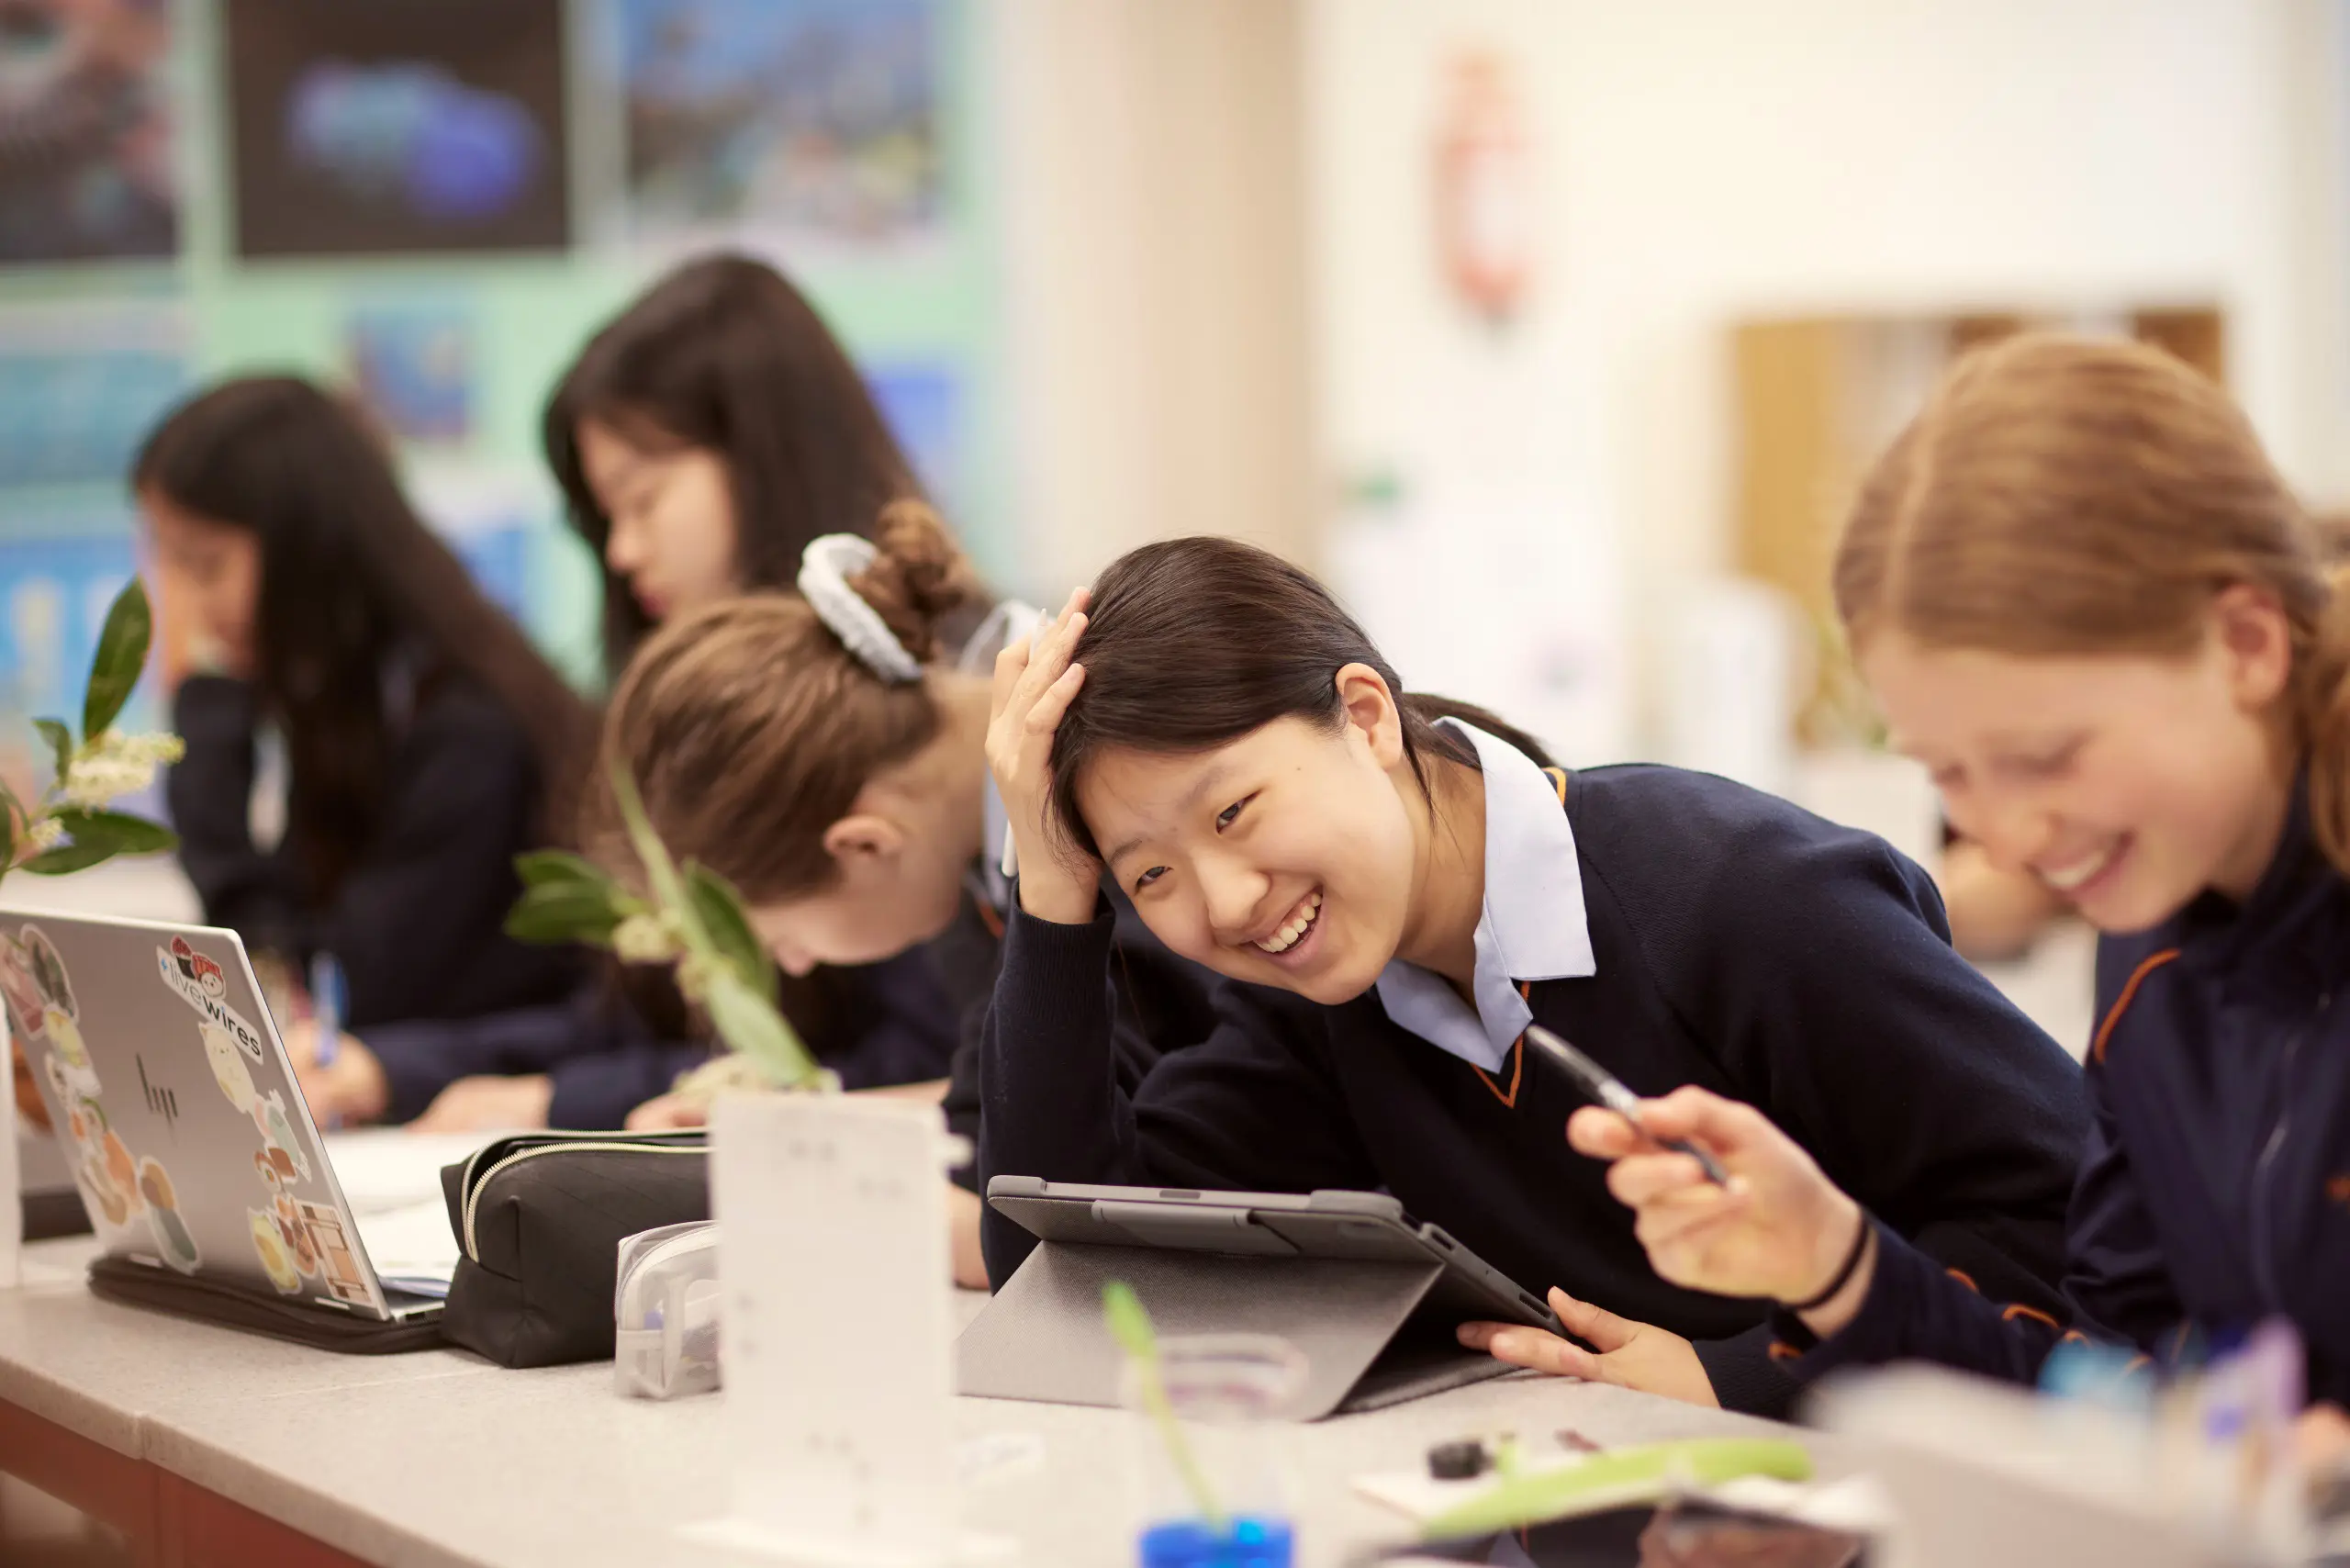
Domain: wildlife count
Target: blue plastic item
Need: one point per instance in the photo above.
(1246, 1542)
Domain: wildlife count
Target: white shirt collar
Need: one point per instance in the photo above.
(1533, 927)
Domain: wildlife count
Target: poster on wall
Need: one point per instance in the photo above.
(412, 366)
(922, 403)
(80, 387)
(813, 125)
(86, 144)
(366, 127)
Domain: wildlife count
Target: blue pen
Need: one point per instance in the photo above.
(328, 1004)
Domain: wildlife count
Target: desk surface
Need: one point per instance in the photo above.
(439, 1458)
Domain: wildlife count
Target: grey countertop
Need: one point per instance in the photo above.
(439, 1457)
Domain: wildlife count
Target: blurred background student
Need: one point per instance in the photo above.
(426, 742)
(702, 438)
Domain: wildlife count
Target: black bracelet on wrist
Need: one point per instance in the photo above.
(1844, 1274)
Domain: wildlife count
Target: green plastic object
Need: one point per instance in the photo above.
(1617, 1477)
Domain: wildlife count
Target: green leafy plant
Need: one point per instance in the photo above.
(694, 920)
(1130, 1326)
(68, 826)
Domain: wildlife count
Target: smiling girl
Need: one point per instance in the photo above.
(1394, 886)
(2087, 602)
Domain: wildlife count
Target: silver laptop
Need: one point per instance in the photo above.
(170, 1092)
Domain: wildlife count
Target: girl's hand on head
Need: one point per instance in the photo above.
(1630, 1355)
(1034, 680)
(1780, 1229)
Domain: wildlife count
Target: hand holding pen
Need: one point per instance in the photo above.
(1726, 1201)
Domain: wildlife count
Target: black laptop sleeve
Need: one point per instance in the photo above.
(129, 1280)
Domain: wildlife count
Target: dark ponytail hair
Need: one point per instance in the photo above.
(724, 354)
(1192, 643)
(350, 579)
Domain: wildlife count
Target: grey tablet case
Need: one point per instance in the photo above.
(1370, 1296)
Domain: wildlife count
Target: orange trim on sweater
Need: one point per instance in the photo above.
(2121, 1002)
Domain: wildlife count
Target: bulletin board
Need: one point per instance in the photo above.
(509, 188)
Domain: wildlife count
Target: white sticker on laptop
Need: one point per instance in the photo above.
(200, 983)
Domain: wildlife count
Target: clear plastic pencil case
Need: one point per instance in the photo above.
(664, 1311)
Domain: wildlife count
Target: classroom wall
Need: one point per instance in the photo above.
(1713, 158)
(1154, 194)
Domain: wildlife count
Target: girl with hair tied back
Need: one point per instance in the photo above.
(2085, 600)
(1395, 887)
(824, 751)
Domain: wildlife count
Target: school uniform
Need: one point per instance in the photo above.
(418, 920)
(1680, 929)
(877, 1025)
(1154, 1001)
(2216, 1189)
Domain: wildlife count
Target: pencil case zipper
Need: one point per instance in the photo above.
(503, 1156)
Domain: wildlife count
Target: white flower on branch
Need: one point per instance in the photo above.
(47, 833)
(116, 765)
(644, 939)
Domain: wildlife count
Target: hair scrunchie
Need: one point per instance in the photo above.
(825, 570)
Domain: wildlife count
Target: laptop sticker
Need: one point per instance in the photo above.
(276, 1258)
(343, 1280)
(197, 981)
(279, 1144)
(228, 1069)
(171, 1237)
(48, 971)
(296, 1237)
(21, 986)
(102, 1164)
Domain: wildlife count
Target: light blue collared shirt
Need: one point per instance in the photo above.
(1533, 927)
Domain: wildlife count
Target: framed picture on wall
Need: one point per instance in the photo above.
(811, 124)
(87, 131)
(396, 127)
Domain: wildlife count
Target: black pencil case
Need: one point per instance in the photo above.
(540, 1217)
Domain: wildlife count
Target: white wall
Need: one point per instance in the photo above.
(1704, 160)
(1155, 277)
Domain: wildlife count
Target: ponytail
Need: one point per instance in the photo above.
(750, 726)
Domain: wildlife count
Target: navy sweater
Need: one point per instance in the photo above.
(418, 921)
(2216, 1191)
(883, 1024)
(1742, 944)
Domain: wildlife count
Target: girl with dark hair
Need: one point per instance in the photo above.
(426, 740)
(1395, 887)
(701, 439)
(2085, 600)
(705, 435)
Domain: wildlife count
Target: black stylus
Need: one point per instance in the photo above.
(1605, 1088)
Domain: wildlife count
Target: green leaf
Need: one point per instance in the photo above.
(542, 867)
(1617, 1477)
(67, 857)
(122, 655)
(748, 1023)
(61, 742)
(121, 833)
(721, 909)
(7, 837)
(565, 911)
